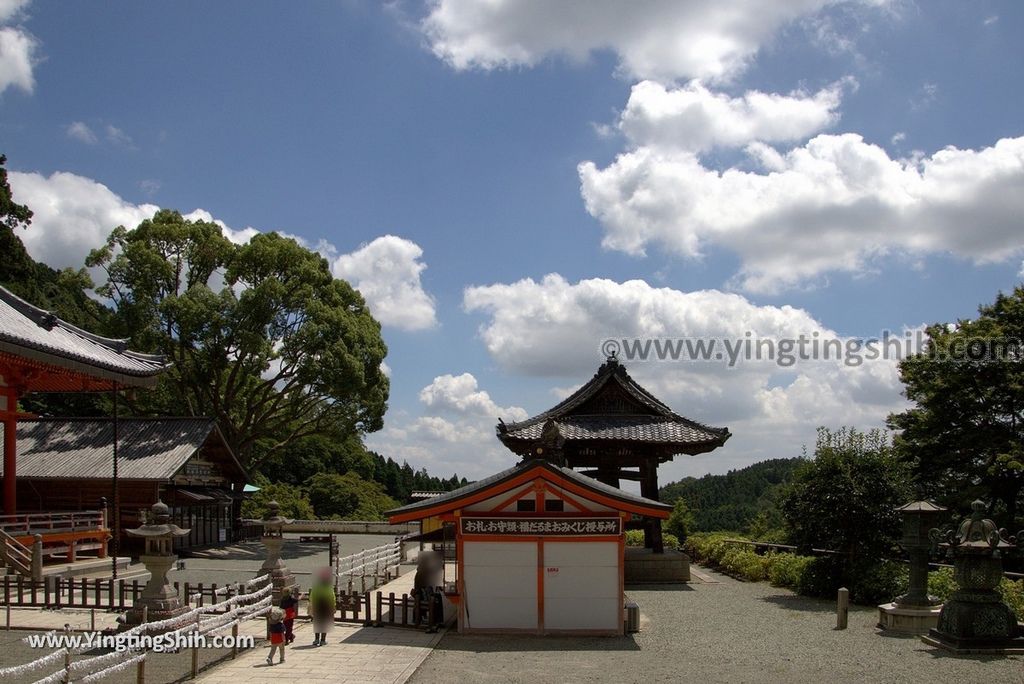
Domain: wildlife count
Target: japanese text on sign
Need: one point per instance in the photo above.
(541, 526)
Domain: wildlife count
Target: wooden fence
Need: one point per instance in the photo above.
(83, 592)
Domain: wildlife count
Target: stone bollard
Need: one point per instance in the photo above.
(842, 608)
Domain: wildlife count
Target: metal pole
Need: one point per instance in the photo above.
(115, 504)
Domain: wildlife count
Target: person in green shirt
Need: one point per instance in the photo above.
(322, 603)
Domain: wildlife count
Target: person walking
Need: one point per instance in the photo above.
(276, 630)
(290, 606)
(322, 603)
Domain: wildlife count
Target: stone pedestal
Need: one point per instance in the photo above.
(643, 566)
(908, 619)
(159, 598)
(975, 620)
(280, 575)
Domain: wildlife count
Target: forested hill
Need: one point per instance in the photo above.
(733, 501)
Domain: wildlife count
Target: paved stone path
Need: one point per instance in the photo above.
(79, 619)
(353, 654)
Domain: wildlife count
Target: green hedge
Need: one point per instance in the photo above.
(821, 576)
(636, 538)
(942, 585)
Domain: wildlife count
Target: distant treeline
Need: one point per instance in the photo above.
(744, 500)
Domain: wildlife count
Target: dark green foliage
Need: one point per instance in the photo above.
(260, 336)
(293, 500)
(348, 497)
(12, 214)
(964, 438)
(845, 498)
(733, 501)
(680, 523)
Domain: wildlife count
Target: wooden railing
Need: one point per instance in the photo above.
(15, 555)
(26, 524)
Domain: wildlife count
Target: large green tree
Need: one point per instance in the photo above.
(964, 437)
(844, 499)
(259, 336)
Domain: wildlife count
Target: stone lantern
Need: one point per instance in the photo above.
(273, 539)
(975, 619)
(158, 597)
(915, 612)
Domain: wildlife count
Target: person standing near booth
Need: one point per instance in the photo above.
(322, 604)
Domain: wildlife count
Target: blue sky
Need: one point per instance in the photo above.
(510, 184)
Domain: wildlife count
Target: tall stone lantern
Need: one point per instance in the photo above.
(159, 598)
(273, 539)
(975, 619)
(915, 612)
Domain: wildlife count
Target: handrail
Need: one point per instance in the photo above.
(15, 554)
(31, 523)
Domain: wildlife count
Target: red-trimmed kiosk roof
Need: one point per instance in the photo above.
(43, 353)
(525, 472)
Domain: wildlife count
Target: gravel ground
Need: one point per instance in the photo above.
(726, 632)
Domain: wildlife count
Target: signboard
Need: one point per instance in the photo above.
(542, 527)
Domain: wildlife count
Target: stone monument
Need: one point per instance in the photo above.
(975, 620)
(158, 597)
(915, 612)
(273, 539)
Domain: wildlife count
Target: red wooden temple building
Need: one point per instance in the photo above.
(613, 429)
(39, 352)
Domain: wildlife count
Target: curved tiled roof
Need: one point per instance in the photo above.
(653, 422)
(37, 334)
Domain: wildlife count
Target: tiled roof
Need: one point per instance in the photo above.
(82, 448)
(653, 422)
(587, 482)
(26, 330)
(627, 428)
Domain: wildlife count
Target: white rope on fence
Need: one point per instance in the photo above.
(96, 663)
(114, 669)
(34, 666)
(372, 563)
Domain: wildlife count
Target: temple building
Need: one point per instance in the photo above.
(539, 549)
(65, 464)
(612, 429)
(39, 352)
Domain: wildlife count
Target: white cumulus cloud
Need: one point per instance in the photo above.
(829, 205)
(659, 39)
(17, 57)
(387, 271)
(455, 432)
(554, 328)
(73, 215)
(695, 119)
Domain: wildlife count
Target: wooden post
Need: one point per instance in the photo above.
(67, 653)
(10, 453)
(234, 641)
(37, 557)
(842, 608)
(140, 671)
(195, 650)
(380, 608)
(92, 619)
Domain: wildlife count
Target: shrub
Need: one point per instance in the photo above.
(786, 569)
(1013, 593)
(680, 522)
(941, 583)
(636, 538)
(881, 582)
